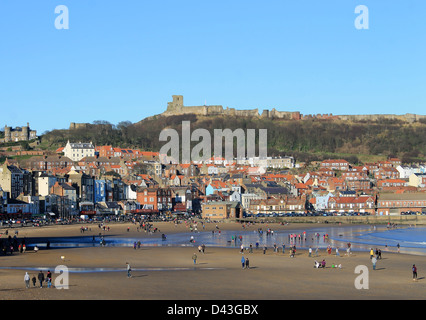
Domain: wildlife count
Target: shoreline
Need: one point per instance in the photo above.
(118, 230)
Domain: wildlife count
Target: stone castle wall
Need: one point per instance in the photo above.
(74, 126)
(176, 107)
(408, 117)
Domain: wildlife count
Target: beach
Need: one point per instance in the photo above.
(169, 272)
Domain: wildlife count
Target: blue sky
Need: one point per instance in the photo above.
(123, 60)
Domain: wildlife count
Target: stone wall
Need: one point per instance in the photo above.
(176, 107)
(74, 126)
(408, 117)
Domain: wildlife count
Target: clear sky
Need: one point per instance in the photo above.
(123, 60)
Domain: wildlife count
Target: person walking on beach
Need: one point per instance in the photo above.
(129, 270)
(247, 263)
(49, 279)
(41, 278)
(34, 280)
(414, 272)
(194, 258)
(27, 280)
(374, 261)
(243, 262)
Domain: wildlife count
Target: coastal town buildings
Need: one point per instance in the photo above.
(82, 178)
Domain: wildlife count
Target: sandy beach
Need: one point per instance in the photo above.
(169, 273)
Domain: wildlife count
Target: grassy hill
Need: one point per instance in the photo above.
(306, 140)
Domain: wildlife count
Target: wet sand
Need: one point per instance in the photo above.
(168, 273)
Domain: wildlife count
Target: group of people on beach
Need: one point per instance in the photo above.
(320, 264)
(11, 245)
(245, 263)
(40, 277)
(83, 229)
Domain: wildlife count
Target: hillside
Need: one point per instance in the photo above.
(306, 140)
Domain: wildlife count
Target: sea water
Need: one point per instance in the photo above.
(410, 239)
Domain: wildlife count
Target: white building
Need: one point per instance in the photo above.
(246, 198)
(321, 201)
(131, 191)
(45, 182)
(406, 171)
(78, 151)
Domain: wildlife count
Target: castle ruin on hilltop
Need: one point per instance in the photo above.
(176, 107)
